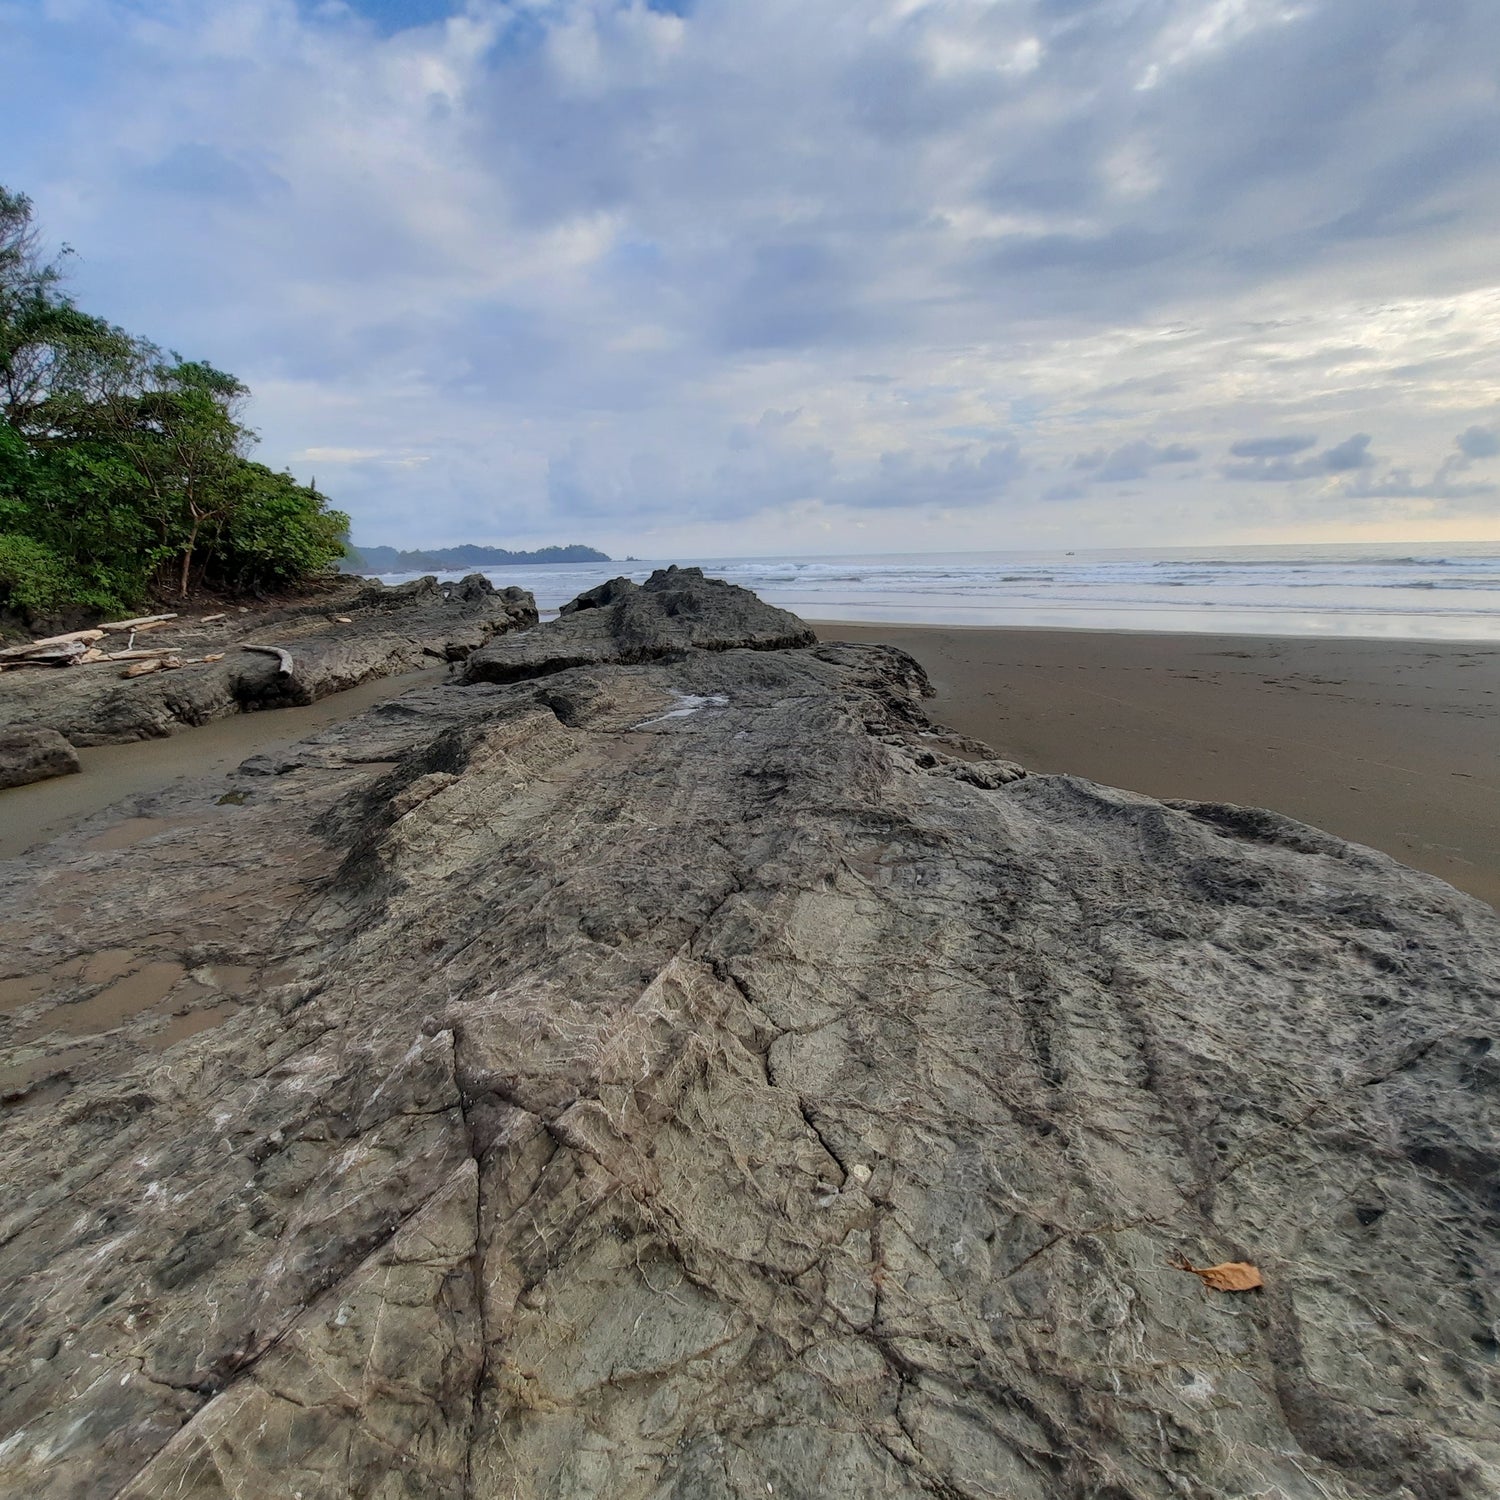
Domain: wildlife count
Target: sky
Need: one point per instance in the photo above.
(739, 277)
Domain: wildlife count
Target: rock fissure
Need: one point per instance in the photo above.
(783, 1109)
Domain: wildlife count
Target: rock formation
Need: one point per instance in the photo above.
(701, 1077)
(28, 755)
(675, 610)
(354, 632)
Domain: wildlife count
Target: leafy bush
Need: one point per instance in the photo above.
(123, 471)
(33, 578)
(277, 533)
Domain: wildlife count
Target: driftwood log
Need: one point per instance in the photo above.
(64, 654)
(32, 648)
(157, 664)
(141, 622)
(284, 657)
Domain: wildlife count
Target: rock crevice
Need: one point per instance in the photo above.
(648, 1103)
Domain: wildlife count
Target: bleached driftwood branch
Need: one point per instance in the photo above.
(50, 644)
(141, 622)
(285, 657)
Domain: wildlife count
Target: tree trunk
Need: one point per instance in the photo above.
(187, 560)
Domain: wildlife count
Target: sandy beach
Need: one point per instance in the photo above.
(1395, 744)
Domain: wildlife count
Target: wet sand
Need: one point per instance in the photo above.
(1395, 744)
(30, 815)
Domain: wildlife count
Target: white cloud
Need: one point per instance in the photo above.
(543, 267)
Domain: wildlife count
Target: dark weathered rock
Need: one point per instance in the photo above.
(388, 631)
(675, 610)
(34, 755)
(676, 1080)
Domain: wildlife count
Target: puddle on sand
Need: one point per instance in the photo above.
(134, 990)
(41, 1080)
(14, 993)
(107, 964)
(30, 815)
(113, 1005)
(130, 831)
(179, 1028)
(233, 979)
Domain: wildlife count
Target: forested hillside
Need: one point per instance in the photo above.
(393, 560)
(124, 470)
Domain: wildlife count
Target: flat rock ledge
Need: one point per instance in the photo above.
(704, 1077)
(674, 611)
(357, 631)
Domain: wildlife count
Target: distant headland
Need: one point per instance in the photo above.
(392, 560)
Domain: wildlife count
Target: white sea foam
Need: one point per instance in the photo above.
(1443, 591)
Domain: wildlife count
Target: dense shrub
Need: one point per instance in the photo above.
(33, 578)
(123, 471)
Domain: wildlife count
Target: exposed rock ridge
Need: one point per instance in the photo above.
(703, 1078)
(383, 632)
(675, 610)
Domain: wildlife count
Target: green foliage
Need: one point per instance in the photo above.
(123, 471)
(279, 531)
(33, 578)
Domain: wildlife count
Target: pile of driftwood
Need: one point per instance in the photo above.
(86, 647)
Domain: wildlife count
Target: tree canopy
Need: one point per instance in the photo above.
(125, 471)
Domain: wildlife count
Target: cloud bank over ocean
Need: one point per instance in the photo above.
(725, 277)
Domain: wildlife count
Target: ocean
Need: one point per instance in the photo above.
(1447, 591)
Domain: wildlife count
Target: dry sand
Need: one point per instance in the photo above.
(1395, 744)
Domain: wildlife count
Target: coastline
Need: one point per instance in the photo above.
(1390, 743)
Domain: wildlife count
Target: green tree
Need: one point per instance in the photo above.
(279, 531)
(123, 470)
(184, 439)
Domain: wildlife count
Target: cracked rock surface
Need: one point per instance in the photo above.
(384, 632)
(703, 1078)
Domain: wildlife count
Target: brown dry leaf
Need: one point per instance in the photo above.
(1230, 1276)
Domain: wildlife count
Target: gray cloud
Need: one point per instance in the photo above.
(1400, 484)
(1130, 461)
(965, 479)
(572, 252)
(1062, 492)
(1478, 442)
(1352, 453)
(1272, 447)
(1345, 457)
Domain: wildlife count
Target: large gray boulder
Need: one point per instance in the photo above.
(356, 631)
(705, 1078)
(675, 610)
(34, 754)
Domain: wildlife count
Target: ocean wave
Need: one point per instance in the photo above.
(1288, 590)
(1357, 562)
